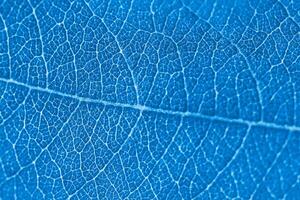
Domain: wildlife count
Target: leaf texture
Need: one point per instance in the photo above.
(138, 99)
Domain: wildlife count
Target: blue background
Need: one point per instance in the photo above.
(149, 99)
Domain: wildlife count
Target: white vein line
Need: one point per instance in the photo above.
(7, 43)
(157, 110)
(228, 164)
(40, 38)
(270, 167)
(117, 153)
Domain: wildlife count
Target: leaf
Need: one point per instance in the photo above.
(149, 100)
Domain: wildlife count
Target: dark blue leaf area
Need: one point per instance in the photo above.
(153, 99)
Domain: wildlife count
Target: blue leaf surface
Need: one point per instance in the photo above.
(137, 99)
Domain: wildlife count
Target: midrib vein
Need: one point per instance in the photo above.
(157, 110)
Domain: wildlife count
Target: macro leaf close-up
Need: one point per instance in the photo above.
(149, 99)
